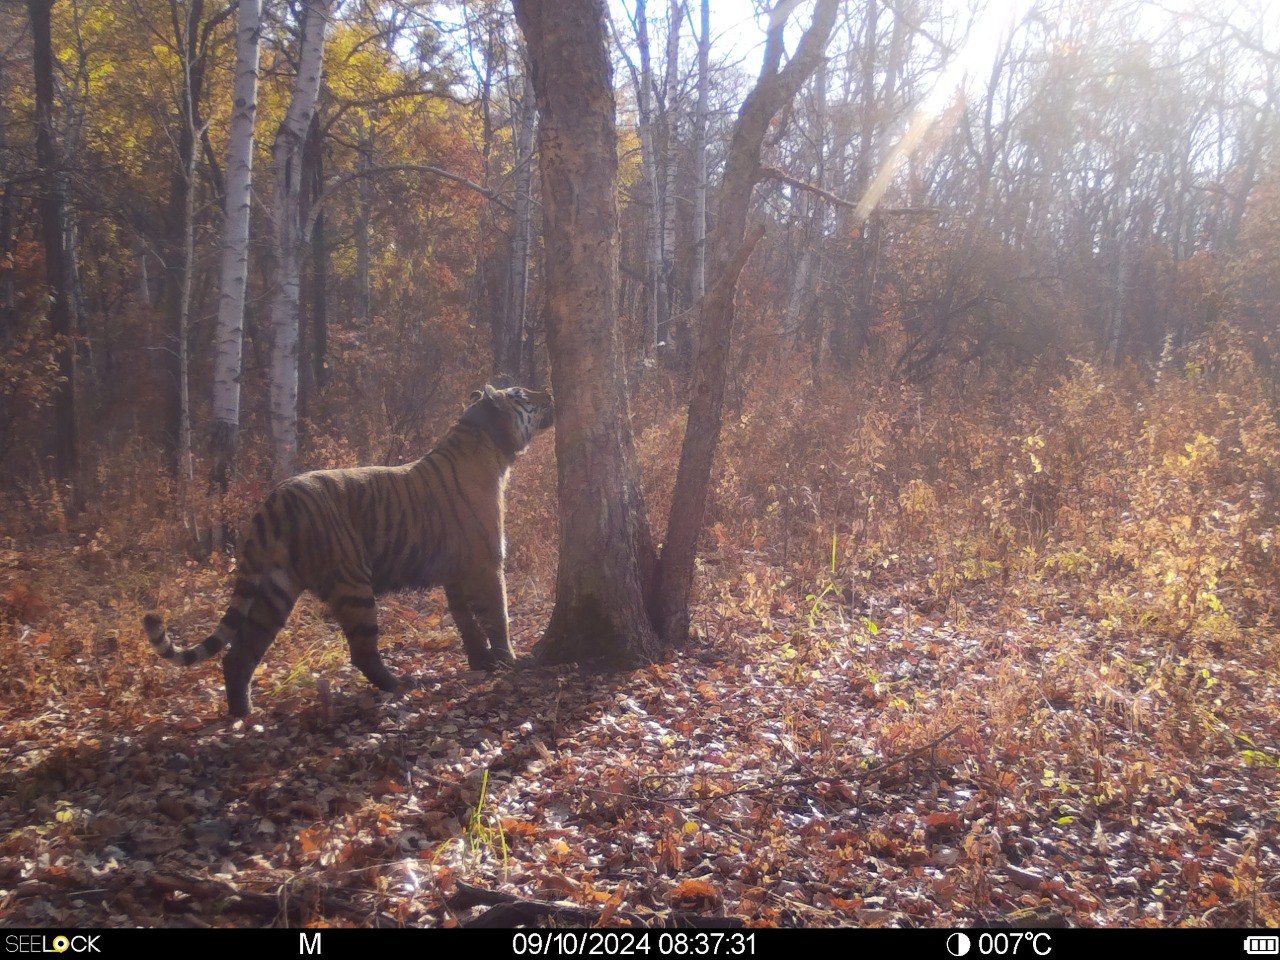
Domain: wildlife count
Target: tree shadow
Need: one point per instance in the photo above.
(185, 800)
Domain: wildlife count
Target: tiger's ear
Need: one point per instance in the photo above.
(476, 395)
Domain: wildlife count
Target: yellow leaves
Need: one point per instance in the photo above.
(917, 497)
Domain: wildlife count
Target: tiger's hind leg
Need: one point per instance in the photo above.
(269, 610)
(356, 610)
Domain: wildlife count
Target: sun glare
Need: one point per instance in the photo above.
(981, 45)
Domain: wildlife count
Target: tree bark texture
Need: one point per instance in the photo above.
(228, 337)
(606, 554)
(52, 202)
(290, 237)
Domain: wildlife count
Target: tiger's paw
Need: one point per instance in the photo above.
(490, 662)
(376, 673)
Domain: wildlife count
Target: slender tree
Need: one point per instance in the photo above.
(774, 90)
(701, 114)
(525, 118)
(290, 235)
(228, 337)
(179, 231)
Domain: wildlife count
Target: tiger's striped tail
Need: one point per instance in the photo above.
(212, 645)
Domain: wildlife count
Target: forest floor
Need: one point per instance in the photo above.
(801, 764)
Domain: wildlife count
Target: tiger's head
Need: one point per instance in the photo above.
(515, 415)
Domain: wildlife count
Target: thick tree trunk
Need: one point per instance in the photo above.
(228, 337)
(52, 203)
(776, 88)
(605, 547)
(288, 223)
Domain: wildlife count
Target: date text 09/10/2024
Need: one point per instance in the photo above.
(597, 943)
(675, 943)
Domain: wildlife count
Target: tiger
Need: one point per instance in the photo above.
(352, 535)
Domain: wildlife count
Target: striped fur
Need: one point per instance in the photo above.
(351, 535)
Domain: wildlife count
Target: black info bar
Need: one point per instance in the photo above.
(641, 943)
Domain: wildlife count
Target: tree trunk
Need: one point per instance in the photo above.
(315, 333)
(606, 553)
(807, 281)
(288, 223)
(700, 156)
(7, 302)
(228, 335)
(512, 359)
(775, 89)
(649, 165)
(364, 203)
(183, 325)
(52, 202)
(178, 258)
(667, 206)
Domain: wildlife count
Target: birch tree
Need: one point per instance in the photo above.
(289, 226)
(228, 335)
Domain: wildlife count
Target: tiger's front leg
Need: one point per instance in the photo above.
(479, 608)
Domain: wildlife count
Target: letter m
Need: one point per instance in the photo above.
(312, 947)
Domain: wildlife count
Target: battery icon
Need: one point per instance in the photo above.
(1262, 946)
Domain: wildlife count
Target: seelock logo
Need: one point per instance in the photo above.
(42, 943)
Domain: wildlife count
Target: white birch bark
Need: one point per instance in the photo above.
(289, 228)
(228, 338)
